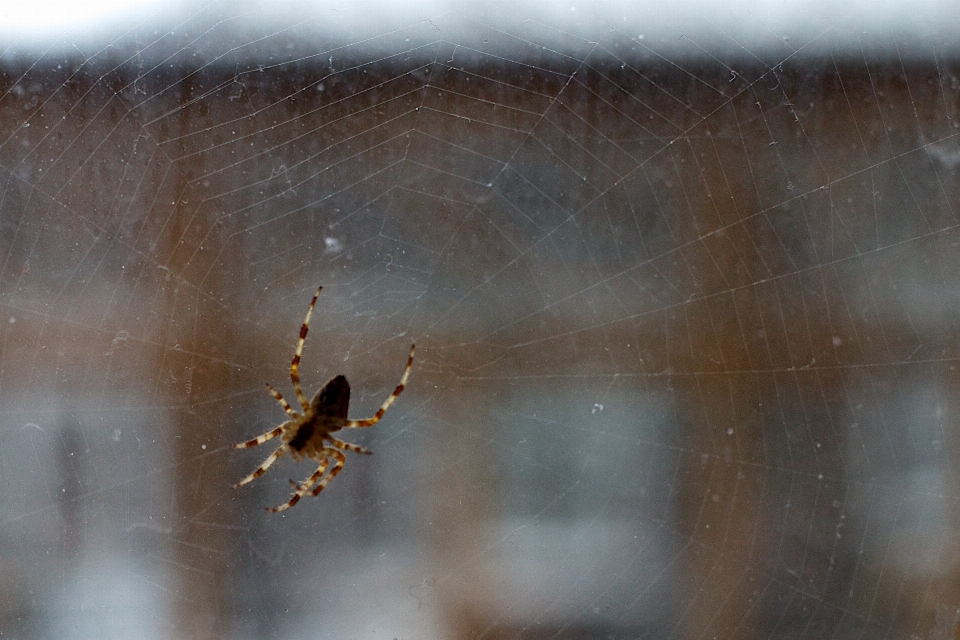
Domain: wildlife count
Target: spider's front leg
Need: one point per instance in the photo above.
(302, 488)
(269, 435)
(337, 467)
(369, 422)
(259, 471)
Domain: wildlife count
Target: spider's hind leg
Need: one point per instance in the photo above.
(283, 402)
(295, 364)
(349, 446)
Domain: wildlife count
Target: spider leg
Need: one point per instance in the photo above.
(283, 403)
(295, 365)
(349, 446)
(302, 488)
(337, 466)
(259, 471)
(286, 505)
(369, 422)
(273, 433)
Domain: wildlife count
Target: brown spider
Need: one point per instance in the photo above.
(306, 435)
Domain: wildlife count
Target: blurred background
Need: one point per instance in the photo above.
(683, 286)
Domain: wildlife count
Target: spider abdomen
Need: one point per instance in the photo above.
(333, 399)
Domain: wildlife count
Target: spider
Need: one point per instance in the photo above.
(309, 435)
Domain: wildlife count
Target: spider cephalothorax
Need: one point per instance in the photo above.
(309, 434)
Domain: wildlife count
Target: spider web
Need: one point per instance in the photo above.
(679, 285)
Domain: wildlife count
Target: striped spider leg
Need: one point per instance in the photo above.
(309, 434)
